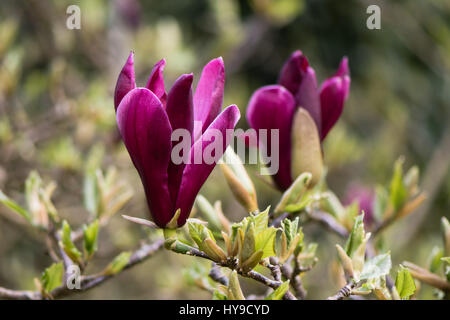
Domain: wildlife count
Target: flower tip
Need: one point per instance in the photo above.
(234, 112)
(125, 81)
(217, 63)
(186, 77)
(300, 60)
(130, 61)
(185, 81)
(343, 69)
(160, 64)
(297, 54)
(189, 76)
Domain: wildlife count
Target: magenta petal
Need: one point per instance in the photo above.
(307, 96)
(156, 81)
(291, 74)
(125, 82)
(195, 174)
(343, 69)
(180, 111)
(333, 93)
(208, 97)
(146, 132)
(300, 79)
(272, 107)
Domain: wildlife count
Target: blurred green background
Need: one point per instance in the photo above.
(56, 105)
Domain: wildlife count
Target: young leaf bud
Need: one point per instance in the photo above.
(239, 181)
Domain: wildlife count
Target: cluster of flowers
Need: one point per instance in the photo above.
(147, 116)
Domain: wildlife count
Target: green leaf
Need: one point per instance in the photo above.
(435, 259)
(404, 283)
(293, 195)
(447, 272)
(352, 211)
(446, 259)
(199, 233)
(296, 207)
(32, 187)
(234, 162)
(411, 180)
(279, 292)
(91, 194)
(234, 288)
(257, 235)
(356, 236)
(14, 206)
(330, 203)
(36, 207)
(294, 236)
(117, 264)
(217, 295)
(376, 267)
(381, 202)
(398, 191)
(445, 226)
(208, 212)
(90, 234)
(359, 257)
(248, 247)
(52, 277)
(290, 228)
(261, 220)
(67, 244)
(265, 241)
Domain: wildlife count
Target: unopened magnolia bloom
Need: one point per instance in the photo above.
(146, 118)
(302, 112)
(365, 198)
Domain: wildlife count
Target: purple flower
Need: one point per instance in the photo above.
(365, 198)
(146, 118)
(275, 106)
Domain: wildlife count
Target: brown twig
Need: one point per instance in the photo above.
(344, 292)
(274, 268)
(427, 277)
(144, 252)
(294, 275)
(217, 275)
(232, 263)
(328, 221)
(19, 295)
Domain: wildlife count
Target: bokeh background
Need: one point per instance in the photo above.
(56, 106)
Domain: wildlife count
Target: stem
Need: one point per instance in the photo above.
(169, 233)
(217, 276)
(87, 282)
(344, 292)
(231, 264)
(328, 221)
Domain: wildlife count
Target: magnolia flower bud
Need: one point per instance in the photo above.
(297, 87)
